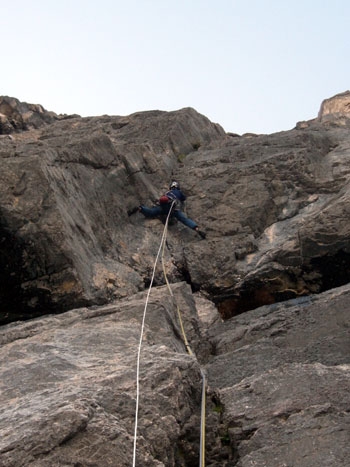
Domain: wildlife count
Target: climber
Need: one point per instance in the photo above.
(173, 199)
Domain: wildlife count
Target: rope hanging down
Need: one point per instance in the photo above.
(141, 337)
(202, 427)
(188, 348)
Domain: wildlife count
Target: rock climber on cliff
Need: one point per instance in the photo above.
(173, 199)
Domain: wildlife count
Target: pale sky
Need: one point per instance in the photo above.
(250, 65)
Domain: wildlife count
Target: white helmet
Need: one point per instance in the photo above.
(174, 185)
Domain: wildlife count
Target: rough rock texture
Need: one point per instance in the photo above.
(68, 386)
(16, 115)
(282, 378)
(337, 106)
(275, 207)
(276, 212)
(65, 235)
(279, 381)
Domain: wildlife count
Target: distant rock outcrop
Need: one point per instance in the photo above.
(335, 107)
(18, 116)
(274, 267)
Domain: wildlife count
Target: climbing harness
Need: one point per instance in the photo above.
(161, 251)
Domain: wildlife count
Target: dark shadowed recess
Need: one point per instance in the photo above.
(17, 303)
(328, 272)
(21, 297)
(20, 302)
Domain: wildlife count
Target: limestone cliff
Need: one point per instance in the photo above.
(264, 298)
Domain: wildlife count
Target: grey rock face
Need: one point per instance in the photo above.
(294, 415)
(17, 116)
(65, 192)
(276, 212)
(281, 376)
(278, 384)
(335, 107)
(267, 204)
(275, 207)
(68, 386)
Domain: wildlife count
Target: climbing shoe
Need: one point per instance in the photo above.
(133, 210)
(201, 234)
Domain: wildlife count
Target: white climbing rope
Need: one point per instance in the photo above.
(188, 349)
(203, 416)
(141, 335)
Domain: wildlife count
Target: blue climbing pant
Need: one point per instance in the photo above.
(157, 211)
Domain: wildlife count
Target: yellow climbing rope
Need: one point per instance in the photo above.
(140, 341)
(202, 432)
(188, 349)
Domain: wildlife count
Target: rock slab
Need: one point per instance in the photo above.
(278, 384)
